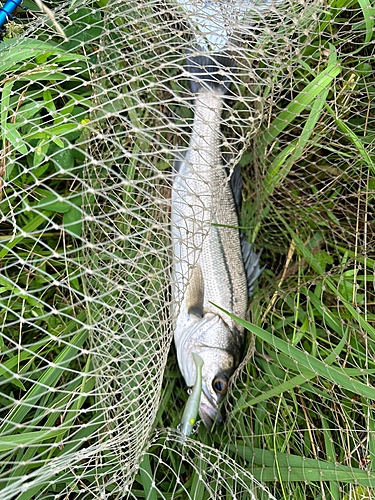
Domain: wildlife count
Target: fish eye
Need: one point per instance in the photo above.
(220, 385)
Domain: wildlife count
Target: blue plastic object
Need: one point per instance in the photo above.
(7, 10)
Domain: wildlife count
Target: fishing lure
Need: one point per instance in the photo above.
(191, 410)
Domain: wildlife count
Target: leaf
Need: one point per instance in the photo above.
(49, 134)
(5, 99)
(27, 438)
(63, 129)
(50, 75)
(311, 259)
(294, 382)
(14, 137)
(336, 375)
(300, 468)
(58, 141)
(85, 35)
(17, 50)
(331, 455)
(55, 203)
(48, 378)
(147, 478)
(304, 99)
(287, 158)
(354, 139)
(369, 15)
(29, 228)
(314, 97)
(38, 135)
(63, 159)
(72, 221)
(42, 58)
(15, 289)
(14, 380)
(40, 152)
(313, 474)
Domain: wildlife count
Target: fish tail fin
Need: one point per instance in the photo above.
(251, 262)
(209, 71)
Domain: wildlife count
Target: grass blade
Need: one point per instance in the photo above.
(315, 88)
(297, 381)
(322, 369)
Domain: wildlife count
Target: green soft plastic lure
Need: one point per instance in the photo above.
(192, 406)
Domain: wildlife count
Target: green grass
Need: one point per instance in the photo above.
(81, 375)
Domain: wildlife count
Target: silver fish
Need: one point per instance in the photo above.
(208, 265)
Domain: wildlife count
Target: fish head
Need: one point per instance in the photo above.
(219, 348)
(217, 369)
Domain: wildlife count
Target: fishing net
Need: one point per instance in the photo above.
(92, 118)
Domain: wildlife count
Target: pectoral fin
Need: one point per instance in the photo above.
(195, 292)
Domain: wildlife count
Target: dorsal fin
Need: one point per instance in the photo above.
(236, 185)
(195, 292)
(251, 263)
(250, 257)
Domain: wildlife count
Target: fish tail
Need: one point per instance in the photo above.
(209, 71)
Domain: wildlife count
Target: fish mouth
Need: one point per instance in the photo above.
(208, 412)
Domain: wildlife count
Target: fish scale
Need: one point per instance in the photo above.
(206, 181)
(202, 197)
(208, 263)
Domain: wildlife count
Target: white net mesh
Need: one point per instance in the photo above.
(91, 393)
